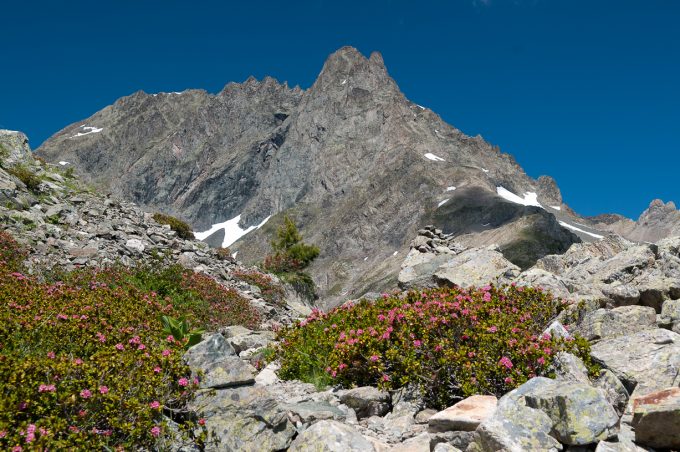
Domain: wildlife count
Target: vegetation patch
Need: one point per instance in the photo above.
(25, 175)
(271, 291)
(452, 343)
(291, 256)
(182, 229)
(85, 361)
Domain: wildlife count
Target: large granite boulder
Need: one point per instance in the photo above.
(476, 267)
(331, 436)
(581, 414)
(367, 401)
(609, 323)
(465, 415)
(645, 361)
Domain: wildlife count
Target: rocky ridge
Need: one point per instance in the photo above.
(359, 166)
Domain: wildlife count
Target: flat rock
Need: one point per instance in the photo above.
(465, 415)
(330, 436)
(656, 419)
(608, 323)
(419, 443)
(581, 414)
(213, 347)
(227, 372)
(645, 361)
(476, 267)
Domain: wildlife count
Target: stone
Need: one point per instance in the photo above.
(465, 415)
(330, 436)
(424, 416)
(656, 419)
(622, 294)
(581, 414)
(570, 368)
(459, 440)
(614, 391)
(444, 447)
(135, 245)
(671, 310)
(516, 427)
(419, 443)
(608, 323)
(267, 376)
(227, 372)
(366, 401)
(476, 267)
(309, 412)
(644, 362)
(251, 340)
(213, 347)
(619, 446)
(245, 418)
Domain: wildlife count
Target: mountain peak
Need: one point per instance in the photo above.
(347, 67)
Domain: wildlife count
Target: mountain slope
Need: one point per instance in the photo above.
(359, 166)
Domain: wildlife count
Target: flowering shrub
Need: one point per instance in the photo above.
(271, 291)
(451, 342)
(85, 363)
(11, 253)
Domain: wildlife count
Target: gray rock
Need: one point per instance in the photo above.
(580, 413)
(476, 267)
(135, 245)
(331, 436)
(310, 412)
(622, 294)
(227, 372)
(267, 376)
(366, 401)
(251, 340)
(614, 391)
(570, 368)
(445, 447)
(245, 418)
(16, 146)
(609, 323)
(212, 348)
(645, 361)
(419, 443)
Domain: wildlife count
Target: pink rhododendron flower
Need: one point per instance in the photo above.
(183, 382)
(505, 361)
(104, 389)
(374, 358)
(166, 352)
(156, 431)
(47, 388)
(492, 329)
(119, 346)
(51, 355)
(157, 370)
(85, 394)
(155, 404)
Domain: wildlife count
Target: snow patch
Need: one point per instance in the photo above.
(443, 202)
(232, 231)
(63, 163)
(343, 82)
(434, 158)
(420, 106)
(574, 228)
(556, 207)
(88, 130)
(530, 198)
(395, 253)
(235, 254)
(485, 170)
(451, 188)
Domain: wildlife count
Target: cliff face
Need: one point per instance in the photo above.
(360, 167)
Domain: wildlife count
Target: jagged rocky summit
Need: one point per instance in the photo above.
(359, 166)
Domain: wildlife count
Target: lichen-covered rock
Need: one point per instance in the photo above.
(656, 419)
(614, 391)
(515, 427)
(476, 267)
(367, 401)
(213, 347)
(580, 413)
(245, 418)
(331, 436)
(608, 323)
(227, 372)
(465, 415)
(645, 361)
(570, 368)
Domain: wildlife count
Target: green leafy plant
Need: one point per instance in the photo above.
(25, 175)
(450, 342)
(179, 329)
(182, 229)
(271, 291)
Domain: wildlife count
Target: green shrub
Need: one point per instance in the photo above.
(223, 254)
(182, 229)
(271, 291)
(450, 342)
(85, 363)
(25, 175)
(179, 330)
(291, 256)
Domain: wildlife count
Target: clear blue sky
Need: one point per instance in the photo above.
(585, 91)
